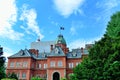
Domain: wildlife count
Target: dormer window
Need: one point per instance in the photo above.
(59, 41)
(43, 55)
(56, 51)
(74, 54)
(22, 53)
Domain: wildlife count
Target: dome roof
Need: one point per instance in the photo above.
(60, 39)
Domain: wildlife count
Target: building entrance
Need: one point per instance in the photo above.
(56, 76)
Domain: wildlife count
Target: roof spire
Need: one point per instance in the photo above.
(38, 39)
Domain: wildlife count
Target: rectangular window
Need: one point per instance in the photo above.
(12, 64)
(37, 65)
(77, 63)
(18, 75)
(60, 64)
(33, 65)
(45, 66)
(18, 64)
(52, 64)
(25, 64)
(23, 75)
(71, 65)
(40, 66)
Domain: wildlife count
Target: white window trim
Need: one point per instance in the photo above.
(25, 64)
(45, 66)
(71, 65)
(12, 64)
(23, 75)
(17, 64)
(52, 64)
(60, 64)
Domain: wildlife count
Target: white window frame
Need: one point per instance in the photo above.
(60, 64)
(40, 65)
(17, 64)
(25, 64)
(45, 66)
(11, 64)
(77, 63)
(52, 64)
(71, 65)
(18, 75)
(23, 75)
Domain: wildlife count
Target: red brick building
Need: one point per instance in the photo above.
(50, 60)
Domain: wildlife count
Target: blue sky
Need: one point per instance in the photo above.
(23, 21)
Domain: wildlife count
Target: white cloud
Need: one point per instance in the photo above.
(7, 52)
(108, 4)
(108, 7)
(75, 27)
(112, 3)
(8, 17)
(81, 43)
(68, 7)
(30, 15)
(73, 30)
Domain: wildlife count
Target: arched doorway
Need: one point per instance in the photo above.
(56, 76)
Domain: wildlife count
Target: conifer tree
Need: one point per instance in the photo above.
(103, 62)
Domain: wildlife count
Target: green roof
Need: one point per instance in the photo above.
(60, 39)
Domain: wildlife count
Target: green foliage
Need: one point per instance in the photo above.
(8, 79)
(103, 62)
(36, 78)
(73, 77)
(113, 27)
(63, 79)
(12, 76)
(2, 69)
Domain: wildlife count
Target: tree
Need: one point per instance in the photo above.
(2, 69)
(63, 79)
(103, 62)
(36, 78)
(2, 66)
(12, 76)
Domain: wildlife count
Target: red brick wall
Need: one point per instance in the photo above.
(74, 61)
(32, 70)
(61, 70)
(19, 69)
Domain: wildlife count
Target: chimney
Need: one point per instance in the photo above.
(38, 39)
(51, 47)
(82, 50)
(37, 51)
(34, 51)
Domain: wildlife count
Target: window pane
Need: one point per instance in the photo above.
(18, 75)
(40, 66)
(52, 64)
(60, 64)
(24, 75)
(12, 64)
(71, 65)
(25, 64)
(18, 64)
(33, 65)
(45, 66)
(77, 63)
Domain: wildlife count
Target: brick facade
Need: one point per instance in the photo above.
(29, 63)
